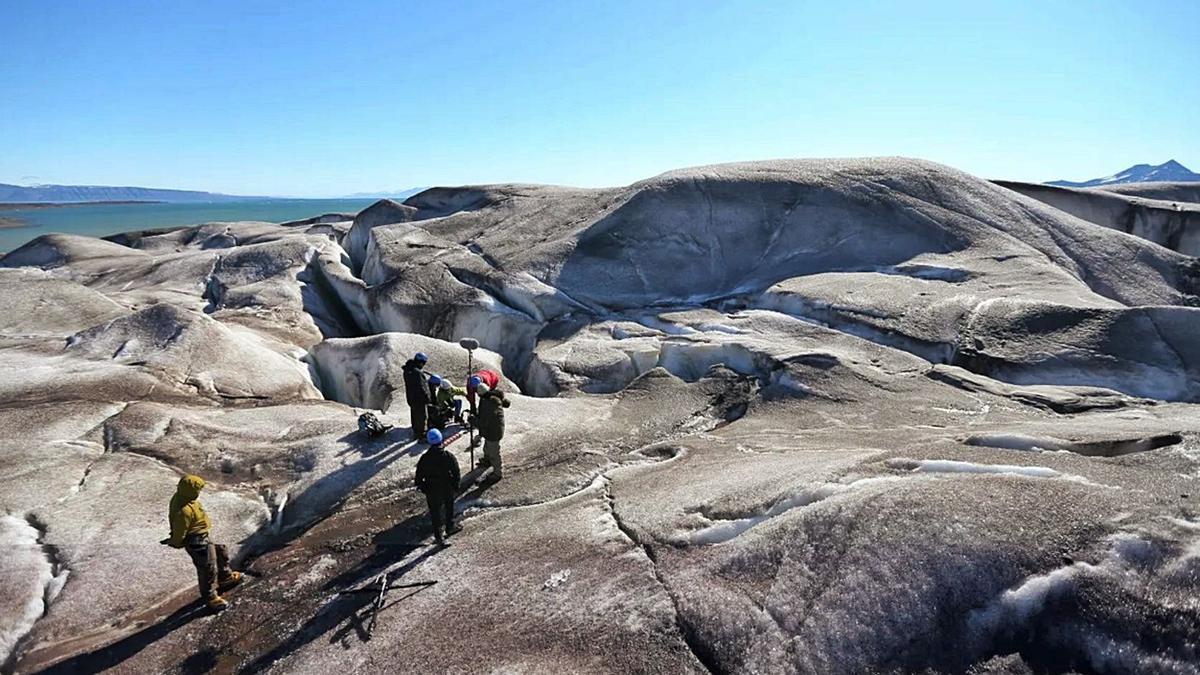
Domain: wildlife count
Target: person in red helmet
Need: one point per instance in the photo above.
(490, 378)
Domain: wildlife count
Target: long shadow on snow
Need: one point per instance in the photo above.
(328, 493)
(334, 488)
(117, 653)
(397, 541)
(391, 545)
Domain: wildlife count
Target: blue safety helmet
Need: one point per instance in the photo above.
(421, 357)
(435, 381)
(434, 437)
(474, 381)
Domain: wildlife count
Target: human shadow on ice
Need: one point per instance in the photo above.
(391, 546)
(324, 496)
(117, 653)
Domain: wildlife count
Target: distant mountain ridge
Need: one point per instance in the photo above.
(395, 194)
(1169, 171)
(47, 194)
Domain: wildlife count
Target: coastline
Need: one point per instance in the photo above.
(25, 221)
(23, 206)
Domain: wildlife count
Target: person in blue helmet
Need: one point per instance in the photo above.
(438, 477)
(446, 406)
(416, 392)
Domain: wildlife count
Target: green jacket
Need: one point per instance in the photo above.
(186, 514)
(445, 397)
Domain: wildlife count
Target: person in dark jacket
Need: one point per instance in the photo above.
(490, 422)
(416, 391)
(489, 377)
(438, 477)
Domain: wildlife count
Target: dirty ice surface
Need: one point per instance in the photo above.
(834, 416)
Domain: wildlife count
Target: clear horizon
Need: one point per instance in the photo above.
(315, 100)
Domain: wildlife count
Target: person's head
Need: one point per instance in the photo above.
(473, 382)
(445, 384)
(434, 437)
(189, 487)
(482, 389)
(435, 381)
(421, 358)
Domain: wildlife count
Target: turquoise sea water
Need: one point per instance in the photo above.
(98, 220)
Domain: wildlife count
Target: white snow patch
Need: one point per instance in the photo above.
(1107, 655)
(713, 327)
(1017, 442)
(690, 359)
(30, 580)
(557, 579)
(1184, 523)
(963, 411)
(277, 517)
(597, 483)
(726, 530)
(954, 466)
(926, 272)
(788, 381)
(316, 573)
(1017, 606)
(668, 327)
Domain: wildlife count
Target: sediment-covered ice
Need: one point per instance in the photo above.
(1167, 217)
(832, 416)
(367, 372)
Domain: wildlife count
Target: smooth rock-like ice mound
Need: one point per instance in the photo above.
(1170, 221)
(367, 372)
(834, 416)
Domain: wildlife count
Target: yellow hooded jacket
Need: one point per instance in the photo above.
(186, 514)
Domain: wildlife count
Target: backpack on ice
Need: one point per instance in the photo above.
(370, 425)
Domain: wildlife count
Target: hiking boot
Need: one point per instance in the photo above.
(453, 529)
(217, 604)
(226, 583)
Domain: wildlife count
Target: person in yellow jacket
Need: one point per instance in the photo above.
(189, 530)
(446, 404)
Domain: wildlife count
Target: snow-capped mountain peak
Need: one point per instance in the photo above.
(1169, 171)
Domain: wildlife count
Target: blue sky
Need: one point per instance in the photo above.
(327, 98)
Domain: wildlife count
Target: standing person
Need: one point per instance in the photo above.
(491, 425)
(189, 530)
(438, 477)
(486, 377)
(417, 393)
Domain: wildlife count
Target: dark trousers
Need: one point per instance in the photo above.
(211, 561)
(441, 416)
(418, 420)
(441, 511)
